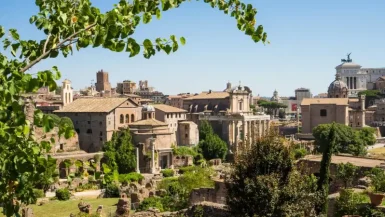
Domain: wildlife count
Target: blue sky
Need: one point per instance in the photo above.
(308, 39)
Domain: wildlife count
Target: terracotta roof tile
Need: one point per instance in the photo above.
(168, 109)
(93, 105)
(212, 95)
(148, 122)
(336, 101)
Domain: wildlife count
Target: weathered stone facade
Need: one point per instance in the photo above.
(214, 195)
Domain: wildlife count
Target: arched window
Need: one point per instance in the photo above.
(127, 118)
(132, 118)
(121, 119)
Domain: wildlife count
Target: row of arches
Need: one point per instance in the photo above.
(126, 118)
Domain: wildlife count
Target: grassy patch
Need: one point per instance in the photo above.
(65, 208)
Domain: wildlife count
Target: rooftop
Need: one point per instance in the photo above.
(210, 95)
(93, 105)
(168, 109)
(148, 122)
(322, 101)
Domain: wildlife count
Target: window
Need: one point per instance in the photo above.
(109, 122)
(101, 138)
(358, 123)
(62, 147)
(168, 115)
(240, 106)
(186, 135)
(127, 118)
(89, 122)
(77, 130)
(89, 131)
(186, 127)
(323, 113)
(101, 133)
(132, 118)
(179, 115)
(100, 123)
(121, 119)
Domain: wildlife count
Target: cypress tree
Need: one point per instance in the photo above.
(323, 181)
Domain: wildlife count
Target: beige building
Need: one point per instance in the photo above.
(337, 108)
(171, 116)
(95, 119)
(230, 115)
(154, 141)
(126, 87)
(188, 133)
(323, 111)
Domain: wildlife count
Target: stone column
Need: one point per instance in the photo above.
(244, 126)
(236, 130)
(249, 134)
(152, 156)
(137, 160)
(252, 133)
(263, 128)
(259, 129)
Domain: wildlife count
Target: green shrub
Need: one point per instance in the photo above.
(168, 173)
(151, 202)
(39, 193)
(348, 202)
(91, 178)
(183, 170)
(85, 187)
(125, 179)
(63, 194)
(112, 190)
(299, 153)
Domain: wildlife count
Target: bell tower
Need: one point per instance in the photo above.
(66, 92)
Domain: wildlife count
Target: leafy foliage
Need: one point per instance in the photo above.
(271, 106)
(151, 202)
(346, 173)
(211, 145)
(120, 152)
(126, 179)
(168, 173)
(348, 203)
(377, 177)
(323, 181)
(63, 194)
(71, 26)
(348, 140)
(299, 153)
(179, 188)
(264, 182)
(38, 193)
(112, 190)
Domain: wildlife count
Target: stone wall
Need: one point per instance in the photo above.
(203, 210)
(182, 161)
(214, 195)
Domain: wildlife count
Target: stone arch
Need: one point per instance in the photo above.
(149, 186)
(121, 119)
(79, 167)
(127, 118)
(151, 194)
(92, 166)
(62, 170)
(132, 118)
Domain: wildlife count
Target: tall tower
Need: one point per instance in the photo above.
(66, 92)
(102, 82)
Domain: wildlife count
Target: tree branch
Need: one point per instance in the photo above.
(46, 42)
(58, 46)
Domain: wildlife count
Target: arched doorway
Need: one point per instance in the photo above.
(62, 170)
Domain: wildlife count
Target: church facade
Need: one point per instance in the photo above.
(229, 113)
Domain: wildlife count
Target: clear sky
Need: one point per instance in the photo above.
(308, 39)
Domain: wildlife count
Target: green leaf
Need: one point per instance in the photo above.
(173, 38)
(132, 47)
(35, 150)
(120, 46)
(167, 49)
(182, 40)
(63, 16)
(14, 34)
(147, 17)
(32, 19)
(14, 48)
(2, 31)
(158, 14)
(147, 43)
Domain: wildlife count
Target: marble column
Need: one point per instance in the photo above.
(236, 130)
(259, 129)
(137, 160)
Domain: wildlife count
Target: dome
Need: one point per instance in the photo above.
(337, 85)
(148, 108)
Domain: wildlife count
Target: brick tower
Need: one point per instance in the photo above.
(102, 82)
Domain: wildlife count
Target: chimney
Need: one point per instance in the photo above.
(210, 91)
